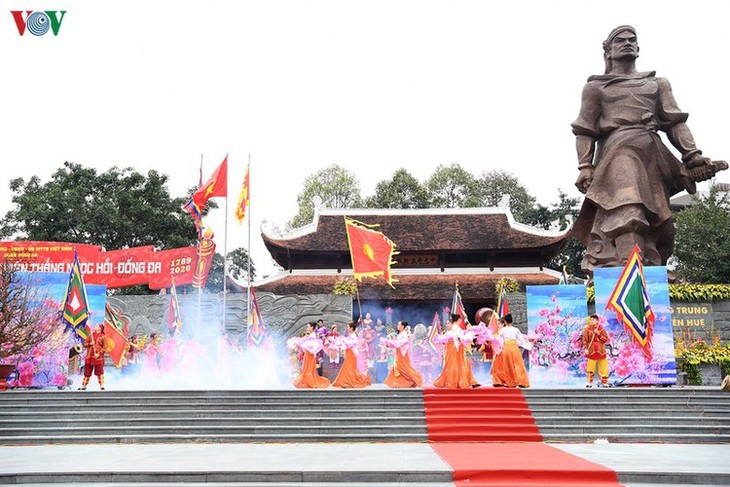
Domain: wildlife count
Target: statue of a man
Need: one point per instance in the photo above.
(626, 172)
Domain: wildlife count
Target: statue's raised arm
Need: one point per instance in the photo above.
(625, 171)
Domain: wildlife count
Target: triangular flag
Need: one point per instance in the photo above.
(457, 307)
(256, 328)
(630, 301)
(75, 311)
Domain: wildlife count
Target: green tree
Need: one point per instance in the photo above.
(334, 186)
(493, 185)
(702, 245)
(401, 191)
(118, 208)
(237, 268)
(452, 187)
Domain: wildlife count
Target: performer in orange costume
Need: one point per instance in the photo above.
(350, 376)
(310, 345)
(402, 375)
(456, 373)
(96, 345)
(512, 371)
(593, 340)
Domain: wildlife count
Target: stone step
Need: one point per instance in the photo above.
(259, 484)
(618, 429)
(346, 437)
(44, 413)
(630, 437)
(315, 405)
(629, 420)
(310, 421)
(319, 476)
(83, 430)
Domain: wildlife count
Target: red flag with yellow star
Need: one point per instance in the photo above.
(370, 250)
(217, 186)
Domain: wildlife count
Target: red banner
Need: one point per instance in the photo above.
(116, 268)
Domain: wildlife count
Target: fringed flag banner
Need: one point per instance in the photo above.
(457, 307)
(371, 251)
(174, 318)
(502, 304)
(630, 301)
(216, 186)
(244, 198)
(435, 330)
(256, 328)
(75, 311)
(563, 277)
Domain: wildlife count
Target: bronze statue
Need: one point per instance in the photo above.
(626, 172)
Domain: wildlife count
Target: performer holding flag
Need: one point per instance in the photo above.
(96, 344)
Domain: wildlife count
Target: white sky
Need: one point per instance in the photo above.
(371, 85)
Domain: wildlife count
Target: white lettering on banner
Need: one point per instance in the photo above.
(130, 267)
(87, 267)
(104, 268)
(154, 267)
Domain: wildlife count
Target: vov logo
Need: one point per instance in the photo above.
(38, 23)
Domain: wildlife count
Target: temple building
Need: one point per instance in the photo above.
(438, 248)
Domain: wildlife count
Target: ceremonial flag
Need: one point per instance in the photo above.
(256, 327)
(435, 330)
(196, 215)
(563, 277)
(371, 251)
(116, 342)
(115, 317)
(75, 310)
(502, 304)
(243, 198)
(174, 319)
(630, 301)
(457, 308)
(217, 186)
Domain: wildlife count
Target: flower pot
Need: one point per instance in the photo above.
(5, 371)
(711, 374)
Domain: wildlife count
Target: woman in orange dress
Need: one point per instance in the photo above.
(310, 345)
(402, 375)
(512, 371)
(456, 373)
(349, 376)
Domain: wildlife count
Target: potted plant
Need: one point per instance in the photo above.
(29, 325)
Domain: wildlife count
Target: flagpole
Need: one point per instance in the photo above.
(248, 251)
(225, 254)
(200, 236)
(357, 295)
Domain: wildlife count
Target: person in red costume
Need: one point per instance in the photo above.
(96, 346)
(593, 340)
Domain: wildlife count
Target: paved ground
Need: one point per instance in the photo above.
(668, 464)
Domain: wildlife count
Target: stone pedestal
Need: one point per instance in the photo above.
(711, 374)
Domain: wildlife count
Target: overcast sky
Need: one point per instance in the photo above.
(370, 85)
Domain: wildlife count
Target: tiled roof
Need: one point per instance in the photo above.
(408, 287)
(421, 231)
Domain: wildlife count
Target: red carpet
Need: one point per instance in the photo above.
(485, 414)
(521, 464)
